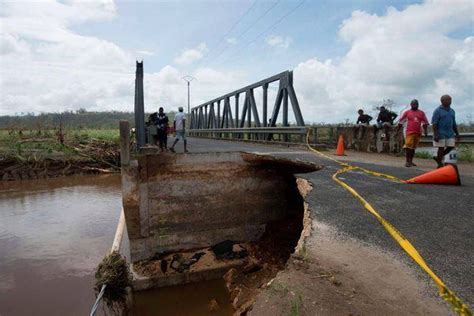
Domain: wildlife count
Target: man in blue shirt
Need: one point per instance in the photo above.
(444, 129)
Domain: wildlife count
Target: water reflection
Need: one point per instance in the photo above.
(52, 235)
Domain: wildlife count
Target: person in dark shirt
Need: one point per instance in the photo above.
(362, 123)
(386, 117)
(385, 120)
(162, 127)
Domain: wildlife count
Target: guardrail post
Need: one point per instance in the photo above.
(331, 134)
(315, 135)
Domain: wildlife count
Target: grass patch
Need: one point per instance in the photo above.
(465, 153)
(295, 306)
(423, 155)
(111, 135)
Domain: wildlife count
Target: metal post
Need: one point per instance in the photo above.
(188, 80)
(237, 112)
(285, 111)
(249, 113)
(265, 101)
(218, 113)
(139, 107)
(188, 98)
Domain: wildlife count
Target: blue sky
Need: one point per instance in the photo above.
(345, 54)
(167, 27)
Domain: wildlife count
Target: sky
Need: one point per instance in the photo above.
(345, 55)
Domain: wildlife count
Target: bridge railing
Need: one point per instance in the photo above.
(325, 136)
(218, 116)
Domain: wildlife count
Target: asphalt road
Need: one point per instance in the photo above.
(436, 219)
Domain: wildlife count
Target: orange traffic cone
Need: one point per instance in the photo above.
(448, 174)
(340, 146)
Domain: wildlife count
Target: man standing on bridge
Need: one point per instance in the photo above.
(162, 126)
(444, 129)
(415, 119)
(180, 128)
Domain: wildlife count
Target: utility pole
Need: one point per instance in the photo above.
(188, 80)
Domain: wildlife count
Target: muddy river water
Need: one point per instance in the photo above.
(54, 232)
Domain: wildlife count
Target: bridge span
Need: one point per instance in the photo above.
(343, 244)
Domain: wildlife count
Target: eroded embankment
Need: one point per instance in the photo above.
(245, 213)
(334, 274)
(46, 161)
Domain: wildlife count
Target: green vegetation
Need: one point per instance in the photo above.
(295, 308)
(465, 153)
(33, 154)
(423, 155)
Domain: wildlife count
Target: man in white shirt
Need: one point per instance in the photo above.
(180, 128)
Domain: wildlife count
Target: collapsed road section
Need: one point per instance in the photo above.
(201, 216)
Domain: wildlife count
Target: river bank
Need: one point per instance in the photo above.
(41, 154)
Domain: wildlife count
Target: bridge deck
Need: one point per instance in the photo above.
(436, 219)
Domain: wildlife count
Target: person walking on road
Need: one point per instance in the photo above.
(162, 127)
(180, 129)
(415, 118)
(444, 129)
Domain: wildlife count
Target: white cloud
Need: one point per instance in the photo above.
(166, 87)
(400, 55)
(48, 67)
(145, 53)
(278, 41)
(188, 56)
(231, 40)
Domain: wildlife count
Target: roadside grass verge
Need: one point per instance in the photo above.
(465, 153)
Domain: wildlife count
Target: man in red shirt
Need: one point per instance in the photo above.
(415, 119)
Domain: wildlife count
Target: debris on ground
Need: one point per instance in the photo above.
(114, 272)
(33, 158)
(213, 305)
(225, 250)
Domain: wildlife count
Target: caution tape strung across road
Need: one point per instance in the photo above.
(444, 292)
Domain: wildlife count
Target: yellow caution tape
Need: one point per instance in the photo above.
(444, 292)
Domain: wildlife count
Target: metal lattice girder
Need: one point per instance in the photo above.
(209, 116)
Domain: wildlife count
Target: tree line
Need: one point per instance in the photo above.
(70, 119)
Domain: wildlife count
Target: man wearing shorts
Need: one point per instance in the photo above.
(444, 129)
(415, 119)
(180, 128)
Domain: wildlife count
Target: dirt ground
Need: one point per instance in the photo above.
(371, 282)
